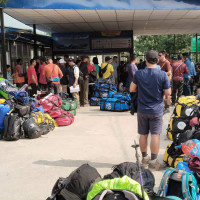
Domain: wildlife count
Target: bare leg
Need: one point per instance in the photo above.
(143, 143)
(155, 143)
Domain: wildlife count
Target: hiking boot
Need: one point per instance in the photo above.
(166, 110)
(145, 161)
(155, 165)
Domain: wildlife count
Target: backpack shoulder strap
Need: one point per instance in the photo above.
(162, 190)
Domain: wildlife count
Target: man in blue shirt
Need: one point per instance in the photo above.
(151, 85)
(188, 83)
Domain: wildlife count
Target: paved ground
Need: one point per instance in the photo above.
(29, 168)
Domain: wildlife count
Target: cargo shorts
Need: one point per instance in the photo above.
(149, 123)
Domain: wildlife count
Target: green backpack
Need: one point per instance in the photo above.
(69, 104)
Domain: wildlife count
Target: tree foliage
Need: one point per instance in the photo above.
(3, 2)
(169, 43)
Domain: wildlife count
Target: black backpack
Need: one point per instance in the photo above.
(12, 127)
(102, 71)
(77, 185)
(31, 129)
(130, 169)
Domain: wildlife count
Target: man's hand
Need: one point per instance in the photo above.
(74, 85)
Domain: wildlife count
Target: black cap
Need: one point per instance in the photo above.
(152, 56)
(43, 59)
(71, 60)
(107, 58)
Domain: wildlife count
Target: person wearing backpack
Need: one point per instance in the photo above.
(106, 70)
(73, 77)
(178, 71)
(151, 85)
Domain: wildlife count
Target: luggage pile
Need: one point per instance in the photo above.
(85, 183)
(52, 104)
(101, 90)
(116, 102)
(18, 118)
(183, 126)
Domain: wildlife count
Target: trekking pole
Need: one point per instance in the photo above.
(135, 146)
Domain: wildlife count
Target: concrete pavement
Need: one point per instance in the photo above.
(29, 168)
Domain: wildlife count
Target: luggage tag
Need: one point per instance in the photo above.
(179, 174)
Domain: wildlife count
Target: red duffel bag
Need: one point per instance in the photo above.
(50, 102)
(65, 119)
(55, 112)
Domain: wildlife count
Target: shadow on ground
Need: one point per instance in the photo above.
(73, 163)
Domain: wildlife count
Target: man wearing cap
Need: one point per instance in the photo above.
(178, 71)
(151, 85)
(106, 68)
(73, 77)
(64, 79)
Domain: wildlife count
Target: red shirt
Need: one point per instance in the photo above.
(178, 70)
(42, 79)
(91, 67)
(31, 71)
(165, 66)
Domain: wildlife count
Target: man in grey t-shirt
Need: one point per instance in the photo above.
(115, 64)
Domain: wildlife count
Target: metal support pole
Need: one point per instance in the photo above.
(35, 40)
(196, 48)
(174, 43)
(3, 44)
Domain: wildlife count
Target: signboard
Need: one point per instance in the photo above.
(71, 42)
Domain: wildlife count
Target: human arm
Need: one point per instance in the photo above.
(133, 87)
(60, 74)
(166, 87)
(76, 75)
(168, 68)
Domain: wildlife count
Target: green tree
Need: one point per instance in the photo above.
(3, 2)
(172, 45)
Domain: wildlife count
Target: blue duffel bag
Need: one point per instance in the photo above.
(114, 104)
(105, 86)
(100, 94)
(4, 109)
(94, 101)
(124, 96)
(21, 96)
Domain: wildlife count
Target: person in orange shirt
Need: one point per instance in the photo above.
(53, 74)
(19, 79)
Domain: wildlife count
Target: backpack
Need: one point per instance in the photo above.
(31, 129)
(173, 156)
(77, 185)
(122, 185)
(102, 71)
(178, 183)
(191, 148)
(179, 138)
(12, 127)
(130, 169)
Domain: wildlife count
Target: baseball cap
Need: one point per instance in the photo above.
(152, 56)
(61, 61)
(107, 58)
(71, 60)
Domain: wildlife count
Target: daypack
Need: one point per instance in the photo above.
(12, 127)
(186, 106)
(113, 104)
(4, 109)
(130, 169)
(94, 101)
(173, 156)
(178, 183)
(191, 148)
(69, 104)
(65, 119)
(117, 184)
(31, 129)
(76, 186)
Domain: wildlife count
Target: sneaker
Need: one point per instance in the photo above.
(155, 165)
(145, 161)
(166, 110)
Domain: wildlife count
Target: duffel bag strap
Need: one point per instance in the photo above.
(162, 190)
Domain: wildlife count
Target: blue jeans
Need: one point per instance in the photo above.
(187, 87)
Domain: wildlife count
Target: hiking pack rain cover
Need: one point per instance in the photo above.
(114, 104)
(191, 148)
